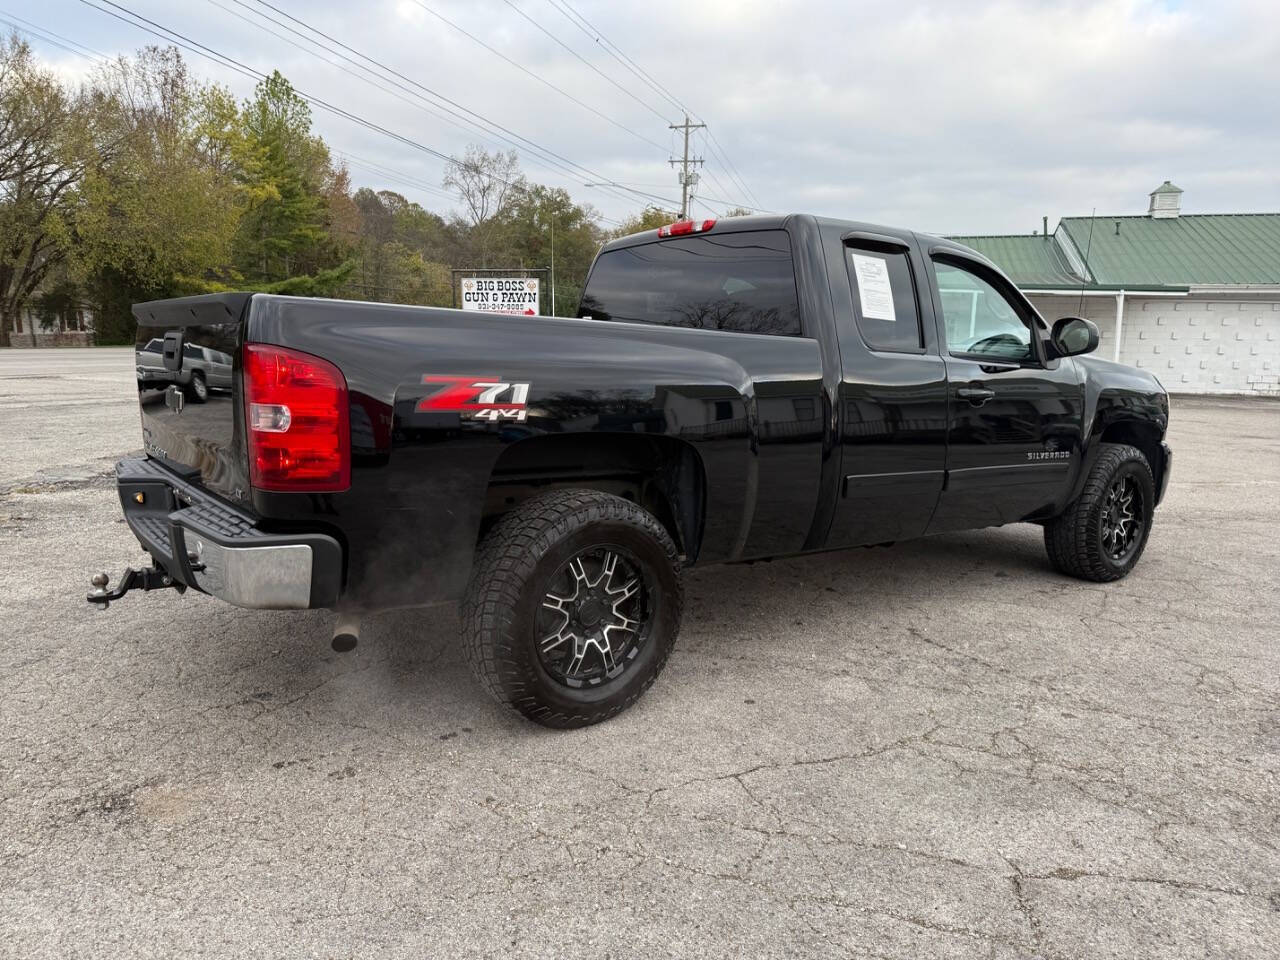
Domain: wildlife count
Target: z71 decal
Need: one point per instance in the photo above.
(476, 398)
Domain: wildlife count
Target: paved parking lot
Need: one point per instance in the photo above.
(937, 750)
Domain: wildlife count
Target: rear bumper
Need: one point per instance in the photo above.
(1166, 468)
(211, 546)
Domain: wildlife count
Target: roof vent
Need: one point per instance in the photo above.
(1166, 202)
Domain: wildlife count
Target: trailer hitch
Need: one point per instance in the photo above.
(155, 578)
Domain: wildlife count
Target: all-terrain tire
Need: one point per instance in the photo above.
(514, 565)
(1076, 541)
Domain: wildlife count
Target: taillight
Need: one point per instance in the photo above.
(296, 411)
(682, 227)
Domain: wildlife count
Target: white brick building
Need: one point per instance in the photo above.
(1194, 298)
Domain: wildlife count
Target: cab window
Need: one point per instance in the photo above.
(980, 320)
(742, 282)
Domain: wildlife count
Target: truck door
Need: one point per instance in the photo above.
(1014, 431)
(893, 390)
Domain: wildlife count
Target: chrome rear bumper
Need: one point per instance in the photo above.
(212, 546)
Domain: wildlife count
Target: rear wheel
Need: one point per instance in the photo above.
(573, 607)
(1102, 534)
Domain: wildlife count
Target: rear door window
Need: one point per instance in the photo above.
(884, 299)
(737, 282)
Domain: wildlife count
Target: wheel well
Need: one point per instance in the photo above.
(1144, 436)
(660, 473)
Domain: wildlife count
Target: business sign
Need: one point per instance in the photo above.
(515, 295)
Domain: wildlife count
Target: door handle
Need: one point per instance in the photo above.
(975, 395)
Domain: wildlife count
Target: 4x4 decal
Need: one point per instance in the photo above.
(475, 397)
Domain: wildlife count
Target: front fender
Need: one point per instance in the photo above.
(1121, 404)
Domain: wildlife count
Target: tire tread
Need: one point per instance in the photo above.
(1069, 538)
(504, 562)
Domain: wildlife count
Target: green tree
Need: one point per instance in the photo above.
(285, 173)
(45, 147)
(542, 226)
(650, 218)
(158, 218)
(397, 250)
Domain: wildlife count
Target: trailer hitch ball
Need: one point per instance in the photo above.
(100, 581)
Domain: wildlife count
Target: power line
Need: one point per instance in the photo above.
(377, 80)
(586, 27)
(485, 124)
(394, 176)
(55, 39)
(570, 13)
(168, 35)
(537, 76)
(723, 155)
(551, 161)
(88, 53)
(589, 64)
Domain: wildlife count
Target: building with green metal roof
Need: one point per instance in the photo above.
(1193, 297)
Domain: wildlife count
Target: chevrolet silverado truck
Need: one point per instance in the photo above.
(758, 387)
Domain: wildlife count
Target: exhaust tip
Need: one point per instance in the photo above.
(344, 642)
(346, 633)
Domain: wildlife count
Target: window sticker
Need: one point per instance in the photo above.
(874, 288)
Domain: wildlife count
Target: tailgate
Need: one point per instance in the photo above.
(188, 370)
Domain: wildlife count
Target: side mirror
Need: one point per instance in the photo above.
(1072, 336)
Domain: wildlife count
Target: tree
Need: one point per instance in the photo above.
(539, 217)
(45, 137)
(158, 217)
(650, 218)
(397, 251)
(484, 181)
(286, 177)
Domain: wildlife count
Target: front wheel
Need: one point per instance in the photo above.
(1101, 535)
(573, 607)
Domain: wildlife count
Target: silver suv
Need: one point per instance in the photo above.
(203, 369)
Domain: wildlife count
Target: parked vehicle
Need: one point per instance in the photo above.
(202, 369)
(759, 387)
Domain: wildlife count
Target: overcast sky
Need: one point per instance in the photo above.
(950, 117)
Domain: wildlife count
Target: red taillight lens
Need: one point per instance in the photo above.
(298, 421)
(681, 227)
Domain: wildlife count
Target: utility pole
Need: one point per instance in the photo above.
(688, 178)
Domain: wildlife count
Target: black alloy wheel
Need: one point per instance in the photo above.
(1122, 518)
(594, 617)
(573, 607)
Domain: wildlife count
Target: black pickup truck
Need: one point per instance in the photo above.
(733, 390)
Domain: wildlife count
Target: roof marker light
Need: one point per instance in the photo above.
(681, 227)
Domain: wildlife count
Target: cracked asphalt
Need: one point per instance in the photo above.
(941, 749)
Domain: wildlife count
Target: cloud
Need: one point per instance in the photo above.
(963, 117)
